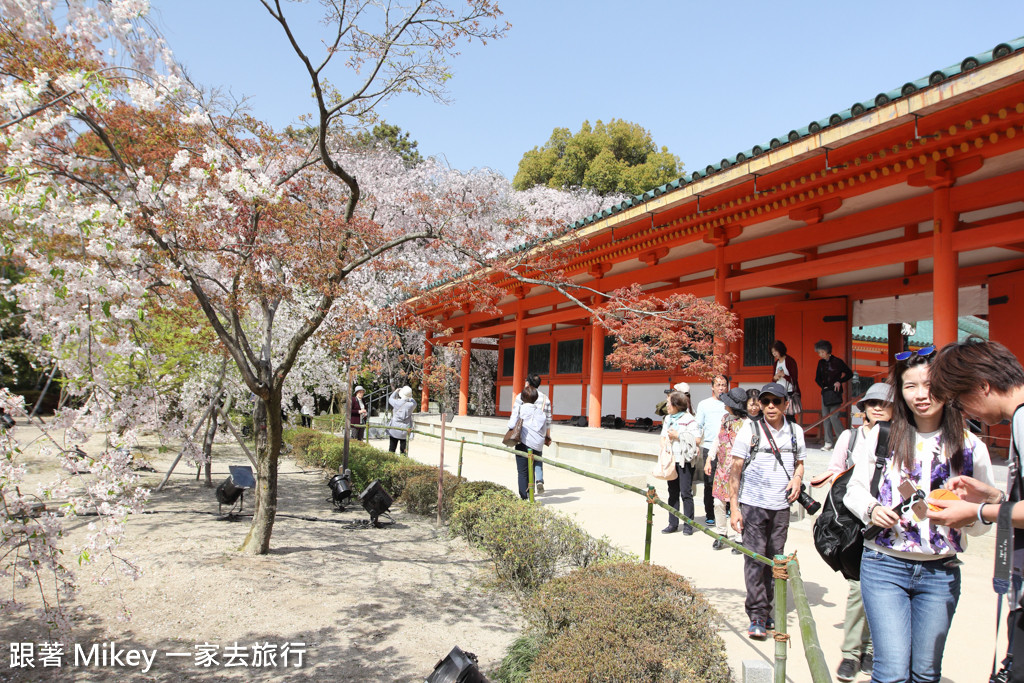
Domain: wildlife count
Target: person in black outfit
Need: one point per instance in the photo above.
(832, 373)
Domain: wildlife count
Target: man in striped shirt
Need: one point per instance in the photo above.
(765, 479)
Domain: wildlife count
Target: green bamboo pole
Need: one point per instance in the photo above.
(461, 447)
(651, 497)
(808, 631)
(529, 487)
(781, 640)
(608, 480)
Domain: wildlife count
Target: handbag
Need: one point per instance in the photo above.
(794, 408)
(838, 533)
(514, 435)
(665, 469)
(830, 397)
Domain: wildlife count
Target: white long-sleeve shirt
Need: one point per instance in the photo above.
(543, 401)
(911, 539)
(534, 424)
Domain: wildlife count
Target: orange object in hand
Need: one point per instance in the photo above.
(941, 494)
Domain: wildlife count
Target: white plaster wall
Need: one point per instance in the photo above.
(699, 392)
(505, 397)
(566, 400)
(611, 399)
(641, 400)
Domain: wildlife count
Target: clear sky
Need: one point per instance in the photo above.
(707, 79)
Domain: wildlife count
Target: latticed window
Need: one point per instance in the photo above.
(758, 335)
(570, 357)
(539, 359)
(508, 362)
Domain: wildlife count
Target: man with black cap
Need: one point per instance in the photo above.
(767, 471)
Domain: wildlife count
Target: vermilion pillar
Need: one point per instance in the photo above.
(721, 295)
(519, 363)
(596, 374)
(428, 354)
(944, 278)
(464, 374)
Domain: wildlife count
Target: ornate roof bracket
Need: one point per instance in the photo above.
(942, 173)
(816, 213)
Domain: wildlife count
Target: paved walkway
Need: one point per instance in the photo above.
(606, 511)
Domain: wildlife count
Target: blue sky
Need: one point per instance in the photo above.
(706, 79)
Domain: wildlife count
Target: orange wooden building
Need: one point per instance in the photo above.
(903, 208)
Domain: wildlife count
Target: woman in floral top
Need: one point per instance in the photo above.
(735, 401)
(910, 574)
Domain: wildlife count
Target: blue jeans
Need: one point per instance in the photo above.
(909, 606)
(523, 468)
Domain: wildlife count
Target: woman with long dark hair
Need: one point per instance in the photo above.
(787, 374)
(910, 574)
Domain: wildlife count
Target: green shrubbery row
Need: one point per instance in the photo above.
(594, 613)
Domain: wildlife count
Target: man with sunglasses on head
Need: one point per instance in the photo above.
(767, 472)
(986, 381)
(710, 412)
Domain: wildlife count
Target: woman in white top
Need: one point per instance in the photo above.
(910, 574)
(531, 439)
(679, 433)
(858, 653)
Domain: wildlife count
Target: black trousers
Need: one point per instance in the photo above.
(709, 500)
(397, 443)
(681, 486)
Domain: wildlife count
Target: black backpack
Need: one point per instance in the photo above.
(838, 533)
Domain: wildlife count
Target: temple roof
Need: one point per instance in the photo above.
(857, 109)
(924, 333)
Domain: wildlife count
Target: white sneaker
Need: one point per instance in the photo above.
(540, 487)
(827, 447)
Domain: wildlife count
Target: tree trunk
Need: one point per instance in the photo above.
(211, 431)
(267, 424)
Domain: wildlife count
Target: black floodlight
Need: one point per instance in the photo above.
(457, 667)
(376, 501)
(341, 490)
(233, 488)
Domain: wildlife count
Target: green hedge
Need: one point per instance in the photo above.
(622, 621)
(472, 491)
(529, 544)
(420, 493)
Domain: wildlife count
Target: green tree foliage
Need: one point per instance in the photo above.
(20, 365)
(393, 138)
(615, 157)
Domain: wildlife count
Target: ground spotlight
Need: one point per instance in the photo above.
(341, 490)
(457, 667)
(376, 501)
(233, 489)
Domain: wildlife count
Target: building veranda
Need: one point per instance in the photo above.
(905, 208)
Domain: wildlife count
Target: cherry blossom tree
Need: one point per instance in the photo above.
(129, 193)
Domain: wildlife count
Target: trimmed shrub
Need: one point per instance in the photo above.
(529, 544)
(473, 490)
(406, 469)
(420, 494)
(300, 439)
(467, 516)
(369, 463)
(625, 622)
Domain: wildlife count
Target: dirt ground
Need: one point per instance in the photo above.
(367, 604)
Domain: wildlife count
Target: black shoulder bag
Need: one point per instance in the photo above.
(1004, 579)
(838, 533)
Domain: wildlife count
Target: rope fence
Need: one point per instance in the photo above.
(785, 568)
